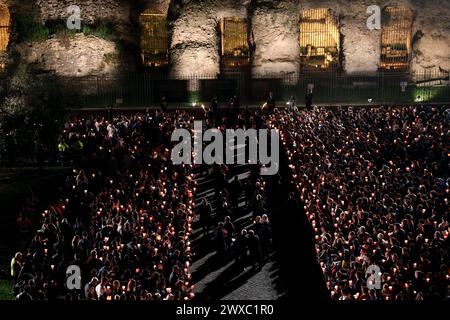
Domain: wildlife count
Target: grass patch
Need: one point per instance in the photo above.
(6, 288)
(101, 30)
(6, 285)
(32, 31)
(36, 32)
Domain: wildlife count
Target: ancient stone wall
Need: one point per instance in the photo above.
(275, 32)
(194, 35)
(78, 56)
(91, 10)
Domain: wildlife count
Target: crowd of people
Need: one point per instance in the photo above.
(374, 183)
(249, 245)
(235, 197)
(375, 186)
(124, 217)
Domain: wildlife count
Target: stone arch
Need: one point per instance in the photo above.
(396, 38)
(5, 27)
(234, 45)
(154, 45)
(319, 39)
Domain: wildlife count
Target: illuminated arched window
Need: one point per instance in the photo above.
(5, 27)
(396, 38)
(154, 40)
(319, 38)
(234, 42)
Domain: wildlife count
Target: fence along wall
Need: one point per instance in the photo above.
(331, 87)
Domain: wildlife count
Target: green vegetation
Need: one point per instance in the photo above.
(36, 32)
(32, 116)
(101, 30)
(6, 284)
(15, 185)
(30, 30)
(6, 288)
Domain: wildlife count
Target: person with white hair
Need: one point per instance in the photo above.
(16, 266)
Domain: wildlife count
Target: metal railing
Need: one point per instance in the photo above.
(329, 87)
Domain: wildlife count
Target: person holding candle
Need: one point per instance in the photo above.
(393, 202)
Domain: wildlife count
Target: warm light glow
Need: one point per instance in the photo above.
(319, 38)
(234, 42)
(5, 30)
(154, 39)
(396, 38)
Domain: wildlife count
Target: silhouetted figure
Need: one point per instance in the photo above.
(164, 104)
(219, 240)
(229, 231)
(110, 113)
(241, 249)
(205, 212)
(254, 247)
(265, 236)
(292, 103)
(235, 102)
(215, 104)
(309, 101)
(235, 191)
(271, 103)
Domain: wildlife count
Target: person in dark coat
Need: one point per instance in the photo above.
(164, 104)
(265, 236)
(235, 191)
(205, 212)
(309, 101)
(219, 240)
(215, 105)
(271, 103)
(230, 230)
(254, 247)
(242, 249)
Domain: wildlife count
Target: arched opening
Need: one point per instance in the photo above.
(5, 31)
(154, 39)
(396, 38)
(234, 43)
(5, 27)
(319, 39)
